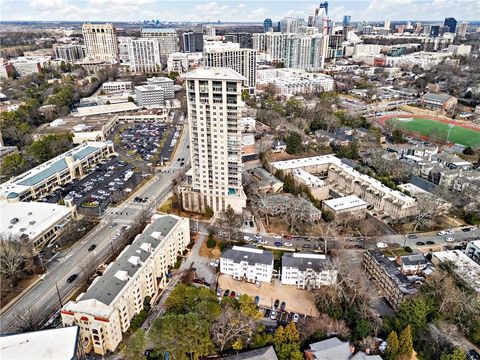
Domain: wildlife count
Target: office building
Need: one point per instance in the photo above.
(292, 25)
(307, 271)
(247, 263)
(346, 20)
(462, 29)
(346, 208)
(473, 250)
(144, 56)
(344, 180)
(267, 25)
(116, 86)
(105, 310)
(165, 83)
(70, 53)
(434, 30)
(244, 39)
(451, 24)
(36, 222)
(100, 41)
(28, 65)
(460, 50)
(149, 96)
(43, 179)
(192, 42)
(320, 19)
(167, 41)
(230, 55)
(214, 115)
(393, 285)
(64, 343)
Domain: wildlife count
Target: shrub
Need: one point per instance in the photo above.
(211, 243)
(408, 249)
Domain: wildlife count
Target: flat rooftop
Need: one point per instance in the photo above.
(51, 344)
(106, 288)
(105, 109)
(344, 203)
(53, 166)
(74, 123)
(309, 179)
(467, 269)
(214, 73)
(31, 219)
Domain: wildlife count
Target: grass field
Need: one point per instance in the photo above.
(437, 130)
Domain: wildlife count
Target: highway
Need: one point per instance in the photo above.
(43, 299)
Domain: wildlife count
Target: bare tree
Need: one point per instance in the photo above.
(27, 320)
(13, 252)
(231, 222)
(260, 204)
(232, 325)
(88, 269)
(428, 208)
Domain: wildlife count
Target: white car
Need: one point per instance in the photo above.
(296, 317)
(450, 232)
(381, 245)
(258, 236)
(287, 244)
(213, 262)
(277, 237)
(449, 239)
(441, 233)
(263, 242)
(247, 238)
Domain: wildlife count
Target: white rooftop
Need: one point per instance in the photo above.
(148, 88)
(309, 179)
(345, 202)
(51, 344)
(215, 73)
(248, 249)
(309, 256)
(105, 109)
(33, 218)
(308, 161)
(467, 269)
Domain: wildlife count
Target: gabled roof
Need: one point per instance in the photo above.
(266, 353)
(331, 349)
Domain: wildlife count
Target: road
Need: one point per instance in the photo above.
(43, 299)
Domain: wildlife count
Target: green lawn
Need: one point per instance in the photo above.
(438, 131)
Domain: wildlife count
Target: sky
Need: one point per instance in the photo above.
(233, 11)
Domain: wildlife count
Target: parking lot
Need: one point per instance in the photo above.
(144, 140)
(107, 182)
(296, 301)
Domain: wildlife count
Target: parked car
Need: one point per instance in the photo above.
(430, 242)
(287, 244)
(277, 237)
(277, 243)
(467, 229)
(307, 246)
(232, 295)
(420, 243)
(219, 292)
(473, 355)
(275, 305)
(267, 313)
(263, 242)
(441, 233)
(225, 294)
(296, 317)
(258, 236)
(283, 305)
(413, 236)
(449, 239)
(247, 238)
(450, 232)
(72, 278)
(257, 300)
(273, 315)
(381, 245)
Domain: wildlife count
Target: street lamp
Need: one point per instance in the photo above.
(58, 293)
(450, 127)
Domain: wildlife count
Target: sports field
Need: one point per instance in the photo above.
(437, 130)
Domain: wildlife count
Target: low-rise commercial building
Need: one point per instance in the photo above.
(105, 310)
(63, 343)
(307, 270)
(165, 83)
(473, 250)
(247, 263)
(350, 207)
(464, 267)
(438, 101)
(41, 180)
(149, 96)
(394, 285)
(116, 86)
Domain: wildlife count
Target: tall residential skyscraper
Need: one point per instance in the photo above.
(210, 31)
(306, 52)
(346, 20)
(192, 42)
(267, 25)
(230, 55)
(274, 44)
(100, 41)
(291, 24)
(387, 25)
(144, 55)
(451, 23)
(167, 40)
(124, 49)
(214, 106)
(462, 29)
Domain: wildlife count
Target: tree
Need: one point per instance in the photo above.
(27, 320)
(231, 326)
(88, 269)
(294, 143)
(456, 354)
(414, 312)
(208, 211)
(134, 346)
(468, 151)
(327, 216)
(231, 222)
(12, 165)
(289, 184)
(406, 342)
(13, 252)
(294, 107)
(428, 208)
(248, 307)
(260, 203)
(237, 345)
(211, 243)
(185, 299)
(393, 346)
(286, 341)
(397, 136)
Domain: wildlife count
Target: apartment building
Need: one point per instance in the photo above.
(165, 83)
(273, 44)
(41, 180)
(307, 271)
(149, 96)
(346, 207)
(100, 41)
(247, 263)
(306, 51)
(51, 344)
(116, 86)
(344, 180)
(124, 49)
(167, 40)
(28, 65)
(230, 55)
(394, 285)
(105, 310)
(70, 53)
(214, 115)
(291, 24)
(318, 187)
(464, 267)
(473, 250)
(144, 56)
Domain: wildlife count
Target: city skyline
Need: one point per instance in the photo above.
(229, 11)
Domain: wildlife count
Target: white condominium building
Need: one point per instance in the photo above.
(230, 55)
(144, 56)
(247, 263)
(307, 52)
(70, 53)
(274, 44)
(214, 113)
(473, 250)
(149, 96)
(307, 271)
(124, 49)
(105, 310)
(100, 41)
(165, 83)
(291, 24)
(167, 40)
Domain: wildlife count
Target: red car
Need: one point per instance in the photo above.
(232, 295)
(288, 237)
